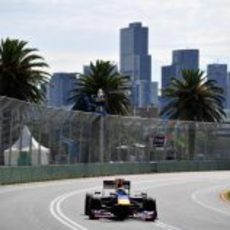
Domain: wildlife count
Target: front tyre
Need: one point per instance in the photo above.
(87, 203)
(95, 204)
(149, 206)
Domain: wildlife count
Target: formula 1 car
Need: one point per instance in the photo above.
(119, 204)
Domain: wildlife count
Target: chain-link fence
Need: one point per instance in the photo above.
(36, 135)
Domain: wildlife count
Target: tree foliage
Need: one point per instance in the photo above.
(102, 75)
(193, 98)
(21, 71)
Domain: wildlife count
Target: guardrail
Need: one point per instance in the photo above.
(25, 174)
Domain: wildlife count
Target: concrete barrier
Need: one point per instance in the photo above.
(24, 174)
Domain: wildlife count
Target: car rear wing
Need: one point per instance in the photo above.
(112, 184)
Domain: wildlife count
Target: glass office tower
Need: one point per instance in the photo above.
(219, 73)
(136, 62)
(60, 89)
(184, 59)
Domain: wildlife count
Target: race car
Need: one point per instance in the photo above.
(119, 204)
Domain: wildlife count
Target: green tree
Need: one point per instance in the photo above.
(102, 75)
(21, 77)
(21, 74)
(193, 98)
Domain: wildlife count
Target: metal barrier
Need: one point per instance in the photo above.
(25, 174)
(34, 135)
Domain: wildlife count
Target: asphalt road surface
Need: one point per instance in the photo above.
(186, 201)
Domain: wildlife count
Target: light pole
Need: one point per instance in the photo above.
(100, 108)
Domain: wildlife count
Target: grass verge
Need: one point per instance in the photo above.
(225, 195)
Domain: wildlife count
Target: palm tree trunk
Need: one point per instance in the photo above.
(191, 140)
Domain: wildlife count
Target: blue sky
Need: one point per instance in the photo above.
(71, 33)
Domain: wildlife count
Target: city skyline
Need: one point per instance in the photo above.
(70, 34)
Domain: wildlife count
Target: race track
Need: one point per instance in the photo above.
(186, 201)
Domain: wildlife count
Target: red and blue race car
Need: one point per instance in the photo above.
(119, 204)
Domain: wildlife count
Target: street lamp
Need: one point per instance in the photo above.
(100, 102)
(100, 108)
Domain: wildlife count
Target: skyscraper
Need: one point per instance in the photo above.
(219, 73)
(228, 91)
(185, 59)
(60, 87)
(154, 94)
(136, 62)
(167, 72)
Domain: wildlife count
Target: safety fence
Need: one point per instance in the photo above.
(36, 135)
(25, 174)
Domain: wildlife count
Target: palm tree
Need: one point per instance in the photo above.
(21, 74)
(193, 98)
(21, 77)
(102, 76)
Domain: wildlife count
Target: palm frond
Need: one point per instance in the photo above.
(21, 71)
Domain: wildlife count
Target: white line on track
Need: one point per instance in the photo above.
(196, 194)
(165, 226)
(55, 209)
